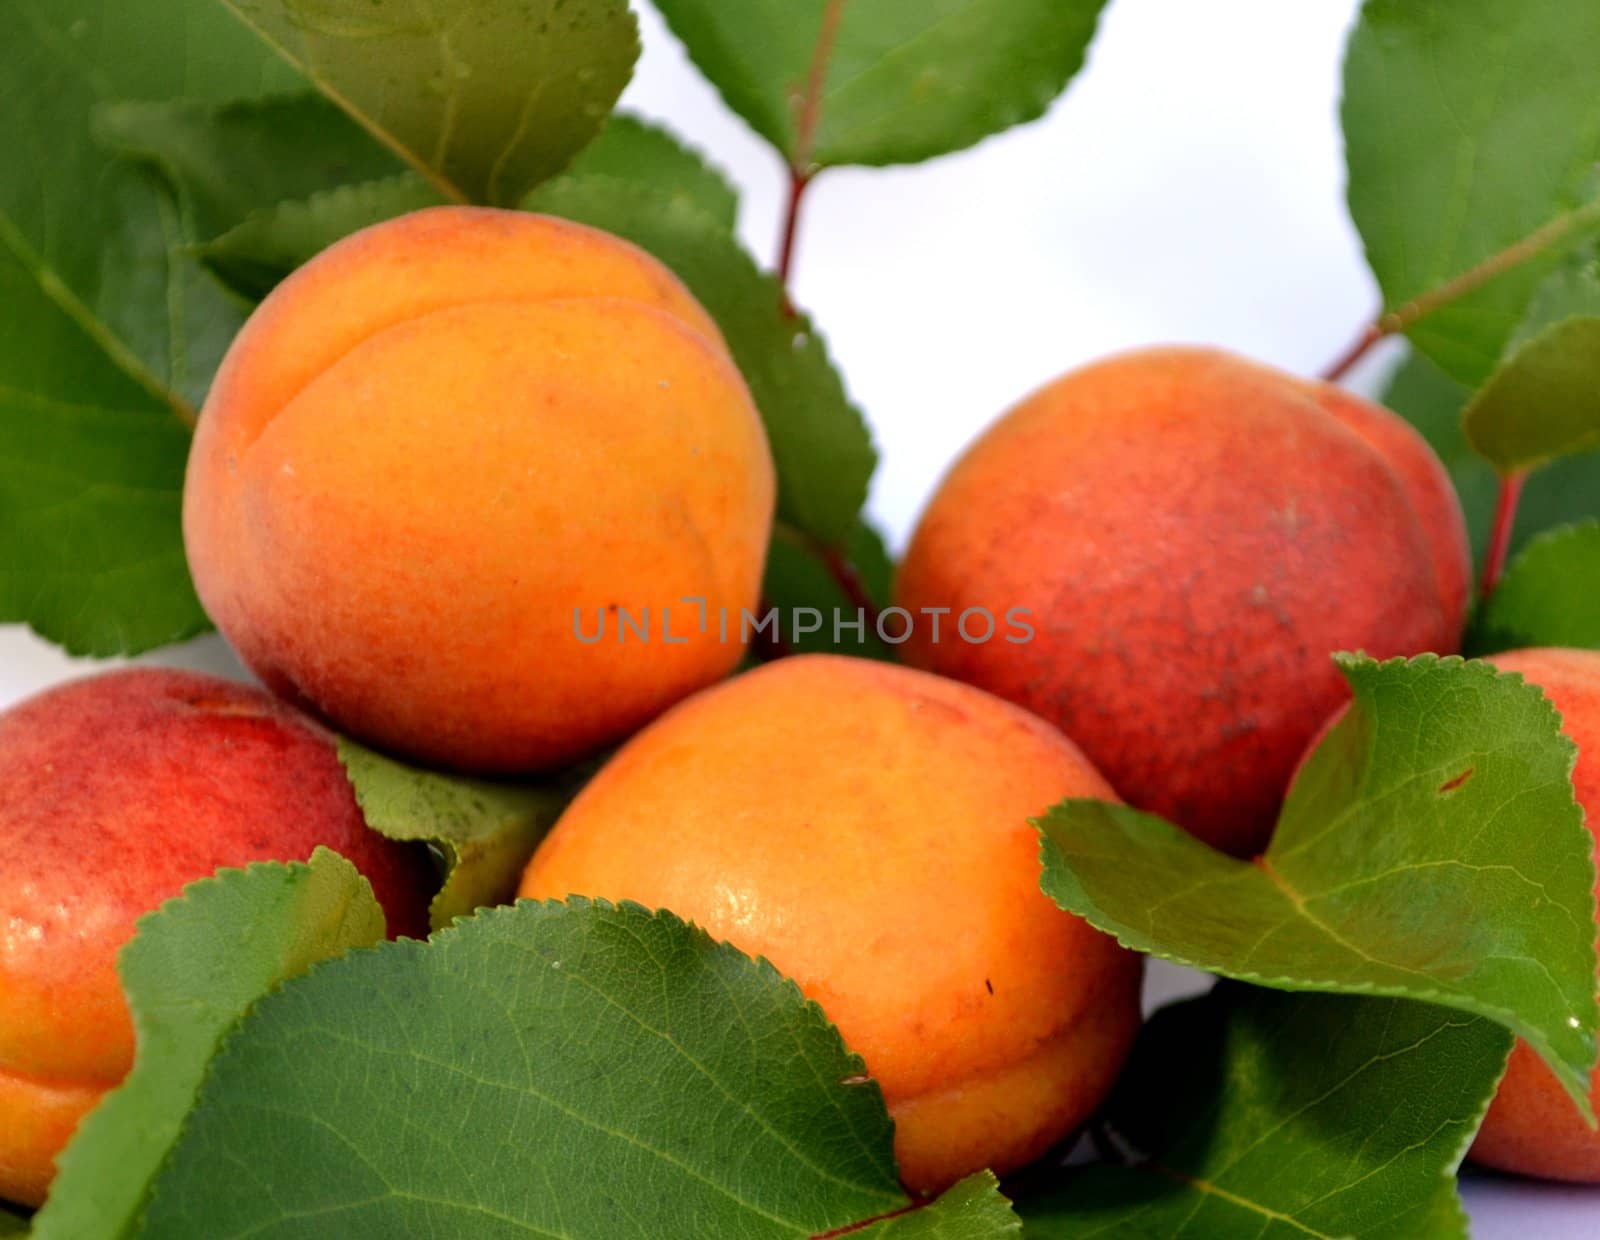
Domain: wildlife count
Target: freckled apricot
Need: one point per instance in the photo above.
(115, 792)
(1532, 1128)
(443, 443)
(865, 828)
(1193, 535)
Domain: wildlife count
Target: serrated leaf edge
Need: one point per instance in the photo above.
(1577, 1088)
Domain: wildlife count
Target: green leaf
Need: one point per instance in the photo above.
(1543, 403)
(1564, 491)
(569, 1068)
(272, 241)
(108, 330)
(800, 583)
(1547, 596)
(64, 60)
(831, 82)
(93, 438)
(973, 1209)
(1430, 848)
(820, 443)
(1483, 159)
(869, 554)
(484, 832)
(633, 149)
(1284, 1116)
(12, 1223)
(254, 256)
(193, 969)
(1572, 290)
(484, 100)
(231, 159)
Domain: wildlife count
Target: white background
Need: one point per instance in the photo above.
(1189, 188)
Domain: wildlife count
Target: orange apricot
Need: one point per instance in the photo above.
(865, 828)
(450, 450)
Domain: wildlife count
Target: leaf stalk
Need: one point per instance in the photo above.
(1505, 520)
(1407, 315)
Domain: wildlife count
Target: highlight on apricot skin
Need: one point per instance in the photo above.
(865, 828)
(115, 792)
(1194, 536)
(1532, 1127)
(441, 450)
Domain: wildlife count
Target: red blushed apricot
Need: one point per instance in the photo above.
(865, 828)
(115, 792)
(451, 444)
(1532, 1128)
(1194, 535)
(1427, 485)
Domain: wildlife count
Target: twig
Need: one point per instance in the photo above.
(808, 116)
(1347, 360)
(1471, 280)
(840, 567)
(849, 580)
(770, 647)
(799, 182)
(1505, 520)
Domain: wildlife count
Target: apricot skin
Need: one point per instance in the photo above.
(115, 792)
(440, 438)
(1194, 536)
(864, 827)
(1532, 1128)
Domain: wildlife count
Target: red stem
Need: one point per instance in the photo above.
(770, 647)
(802, 172)
(808, 115)
(851, 1228)
(1505, 520)
(848, 578)
(799, 182)
(1402, 318)
(1346, 361)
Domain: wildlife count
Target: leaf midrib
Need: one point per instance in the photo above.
(371, 124)
(808, 113)
(1244, 1203)
(57, 292)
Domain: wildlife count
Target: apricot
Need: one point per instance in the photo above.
(1532, 1128)
(446, 448)
(865, 828)
(1192, 535)
(115, 792)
